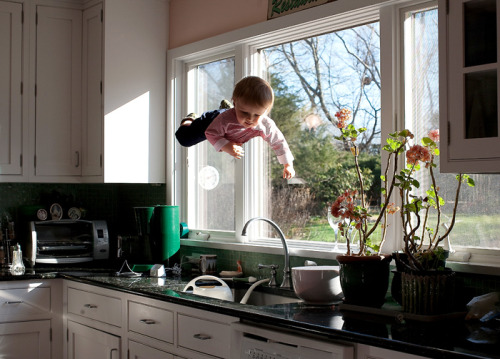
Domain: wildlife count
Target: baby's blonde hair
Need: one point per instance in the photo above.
(254, 91)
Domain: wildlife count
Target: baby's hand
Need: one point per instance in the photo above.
(234, 149)
(288, 171)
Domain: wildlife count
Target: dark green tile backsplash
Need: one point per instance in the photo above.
(111, 202)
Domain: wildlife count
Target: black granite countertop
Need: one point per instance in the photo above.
(451, 338)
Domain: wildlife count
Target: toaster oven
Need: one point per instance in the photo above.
(67, 241)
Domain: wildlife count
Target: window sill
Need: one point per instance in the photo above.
(270, 248)
(489, 267)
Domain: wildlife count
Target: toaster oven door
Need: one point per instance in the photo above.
(63, 241)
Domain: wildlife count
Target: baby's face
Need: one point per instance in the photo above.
(249, 115)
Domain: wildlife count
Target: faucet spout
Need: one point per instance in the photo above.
(287, 273)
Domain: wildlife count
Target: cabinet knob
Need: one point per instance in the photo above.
(77, 157)
(13, 302)
(90, 306)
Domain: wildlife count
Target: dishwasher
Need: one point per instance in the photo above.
(252, 341)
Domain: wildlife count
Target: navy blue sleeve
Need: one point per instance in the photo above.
(195, 133)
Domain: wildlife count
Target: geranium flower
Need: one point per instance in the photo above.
(343, 116)
(434, 135)
(417, 153)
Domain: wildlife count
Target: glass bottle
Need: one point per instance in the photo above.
(17, 267)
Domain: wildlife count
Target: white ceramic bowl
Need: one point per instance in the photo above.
(318, 285)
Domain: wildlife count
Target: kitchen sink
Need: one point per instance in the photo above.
(264, 298)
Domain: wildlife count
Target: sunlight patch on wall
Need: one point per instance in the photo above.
(126, 149)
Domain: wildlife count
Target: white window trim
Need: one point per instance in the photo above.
(244, 44)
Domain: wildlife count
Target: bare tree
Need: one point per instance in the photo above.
(338, 70)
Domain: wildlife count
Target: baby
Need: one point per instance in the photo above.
(228, 129)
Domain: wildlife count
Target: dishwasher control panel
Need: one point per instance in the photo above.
(258, 342)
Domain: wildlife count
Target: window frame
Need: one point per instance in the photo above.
(244, 44)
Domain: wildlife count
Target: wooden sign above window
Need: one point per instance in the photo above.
(279, 8)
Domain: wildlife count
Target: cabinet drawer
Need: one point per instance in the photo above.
(141, 351)
(151, 321)
(24, 301)
(95, 306)
(204, 336)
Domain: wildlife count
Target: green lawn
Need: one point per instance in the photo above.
(478, 230)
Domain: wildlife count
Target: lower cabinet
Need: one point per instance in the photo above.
(105, 323)
(30, 312)
(141, 351)
(14, 337)
(86, 342)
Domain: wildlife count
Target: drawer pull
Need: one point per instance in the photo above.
(147, 321)
(202, 336)
(14, 302)
(90, 306)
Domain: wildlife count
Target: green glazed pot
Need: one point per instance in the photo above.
(364, 279)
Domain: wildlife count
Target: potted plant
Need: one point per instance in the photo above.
(426, 285)
(364, 274)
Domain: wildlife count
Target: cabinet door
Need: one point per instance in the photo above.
(85, 342)
(92, 104)
(470, 118)
(141, 351)
(15, 336)
(11, 40)
(58, 91)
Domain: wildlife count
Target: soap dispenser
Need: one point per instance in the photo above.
(17, 267)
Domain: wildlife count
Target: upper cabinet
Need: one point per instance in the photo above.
(469, 83)
(11, 88)
(94, 91)
(58, 121)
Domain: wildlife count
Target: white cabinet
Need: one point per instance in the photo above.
(82, 91)
(141, 351)
(469, 86)
(58, 91)
(92, 97)
(15, 336)
(86, 342)
(369, 352)
(204, 334)
(11, 88)
(30, 312)
(94, 322)
(145, 328)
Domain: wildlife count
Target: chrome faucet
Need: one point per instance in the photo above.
(287, 274)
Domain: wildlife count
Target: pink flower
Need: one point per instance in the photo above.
(434, 135)
(343, 116)
(418, 153)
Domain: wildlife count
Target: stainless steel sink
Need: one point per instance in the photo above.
(262, 298)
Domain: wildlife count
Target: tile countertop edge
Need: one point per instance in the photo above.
(258, 316)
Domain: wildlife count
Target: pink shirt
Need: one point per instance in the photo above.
(225, 128)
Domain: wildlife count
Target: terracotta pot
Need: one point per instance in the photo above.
(428, 293)
(364, 279)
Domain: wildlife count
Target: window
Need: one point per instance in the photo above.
(357, 54)
(314, 78)
(211, 176)
(477, 225)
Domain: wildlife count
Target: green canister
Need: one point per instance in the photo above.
(165, 234)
